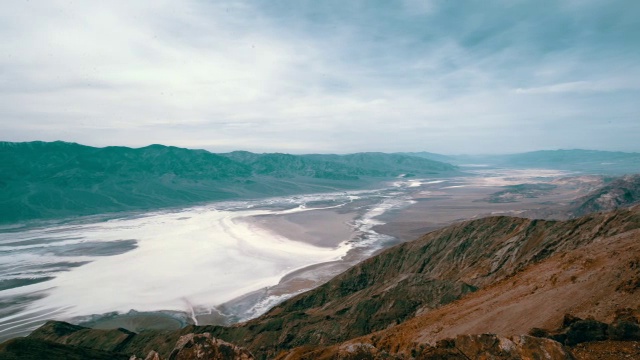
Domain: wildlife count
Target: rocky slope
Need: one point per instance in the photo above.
(188, 347)
(500, 275)
(593, 281)
(579, 339)
(621, 192)
(36, 349)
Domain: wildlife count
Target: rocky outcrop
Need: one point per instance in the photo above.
(585, 281)
(576, 339)
(419, 276)
(188, 347)
(574, 330)
(61, 332)
(491, 346)
(463, 347)
(206, 347)
(607, 350)
(621, 192)
(201, 347)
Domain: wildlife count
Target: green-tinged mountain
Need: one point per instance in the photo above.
(287, 166)
(431, 156)
(58, 179)
(46, 180)
(342, 167)
(381, 164)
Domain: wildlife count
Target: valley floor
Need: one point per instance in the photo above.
(327, 234)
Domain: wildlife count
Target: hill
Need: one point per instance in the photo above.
(501, 275)
(42, 180)
(620, 192)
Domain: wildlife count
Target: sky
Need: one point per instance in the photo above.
(298, 76)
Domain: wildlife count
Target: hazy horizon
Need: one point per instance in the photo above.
(324, 77)
(329, 152)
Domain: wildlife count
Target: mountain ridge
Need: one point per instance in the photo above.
(373, 302)
(41, 180)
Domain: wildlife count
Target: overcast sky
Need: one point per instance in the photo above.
(323, 76)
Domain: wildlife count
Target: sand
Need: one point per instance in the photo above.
(183, 261)
(323, 228)
(439, 205)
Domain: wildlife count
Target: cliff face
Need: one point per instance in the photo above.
(498, 274)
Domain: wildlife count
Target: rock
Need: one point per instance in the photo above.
(485, 345)
(358, 352)
(607, 350)
(538, 332)
(437, 353)
(574, 331)
(152, 356)
(26, 349)
(204, 346)
(569, 319)
(586, 331)
(491, 346)
(530, 347)
(625, 326)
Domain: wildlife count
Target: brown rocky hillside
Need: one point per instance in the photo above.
(591, 282)
(497, 274)
(621, 192)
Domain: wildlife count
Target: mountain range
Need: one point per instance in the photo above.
(41, 180)
(45, 180)
(498, 287)
(577, 160)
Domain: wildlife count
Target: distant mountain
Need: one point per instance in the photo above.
(58, 179)
(431, 156)
(340, 167)
(579, 160)
(585, 161)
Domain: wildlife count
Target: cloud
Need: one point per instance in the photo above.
(580, 87)
(306, 76)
